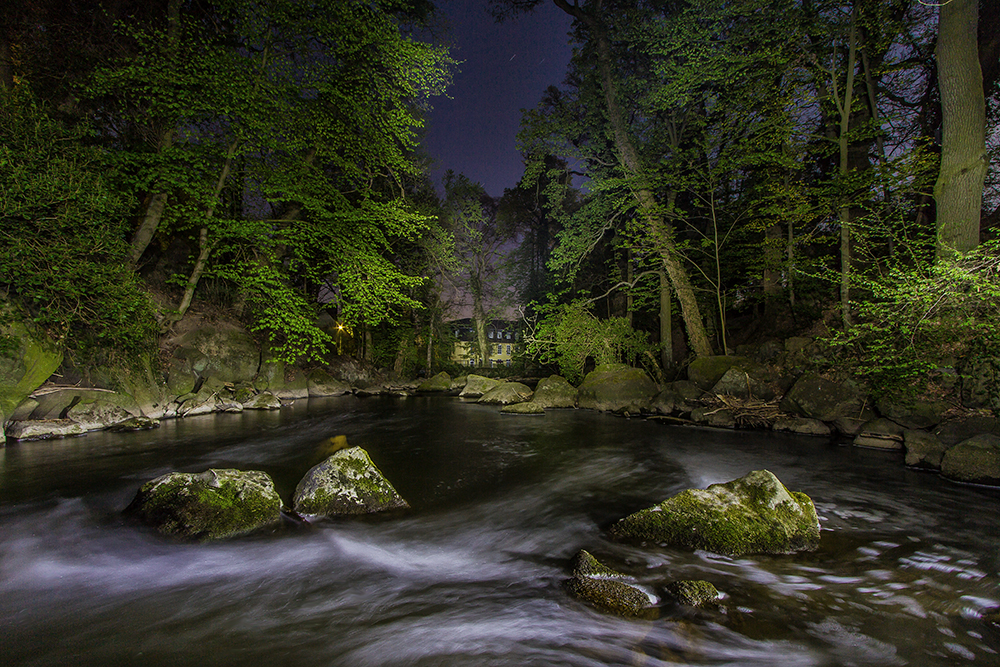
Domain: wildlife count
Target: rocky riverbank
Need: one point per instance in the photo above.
(220, 368)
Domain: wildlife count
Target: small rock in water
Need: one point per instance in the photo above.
(605, 588)
(694, 593)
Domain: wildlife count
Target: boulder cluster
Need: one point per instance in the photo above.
(219, 504)
(754, 514)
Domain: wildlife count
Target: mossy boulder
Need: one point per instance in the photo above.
(923, 449)
(755, 514)
(321, 383)
(616, 388)
(135, 424)
(880, 433)
(506, 393)
(744, 384)
(233, 355)
(708, 370)
(917, 413)
(438, 383)
(801, 426)
(265, 400)
(605, 588)
(975, 461)
(27, 359)
(44, 429)
(555, 391)
(693, 592)
(714, 417)
(477, 385)
(348, 482)
(211, 505)
(819, 398)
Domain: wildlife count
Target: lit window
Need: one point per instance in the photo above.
(491, 333)
(508, 335)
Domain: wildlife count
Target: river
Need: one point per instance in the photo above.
(473, 574)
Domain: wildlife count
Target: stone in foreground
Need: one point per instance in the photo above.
(755, 514)
(605, 588)
(345, 483)
(210, 505)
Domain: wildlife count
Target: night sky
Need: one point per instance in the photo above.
(506, 68)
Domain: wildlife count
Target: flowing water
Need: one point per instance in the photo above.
(473, 574)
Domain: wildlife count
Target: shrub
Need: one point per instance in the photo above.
(570, 334)
(63, 257)
(921, 318)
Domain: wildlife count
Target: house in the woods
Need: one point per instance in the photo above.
(502, 342)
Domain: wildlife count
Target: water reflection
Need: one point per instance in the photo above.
(473, 574)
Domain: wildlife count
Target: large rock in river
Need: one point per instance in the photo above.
(477, 385)
(616, 387)
(555, 391)
(210, 505)
(976, 460)
(755, 514)
(440, 382)
(348, 482)
(506, 393)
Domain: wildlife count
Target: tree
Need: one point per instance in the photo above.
(959, 188)
(592, 17)
(281, 123)
(480, 252)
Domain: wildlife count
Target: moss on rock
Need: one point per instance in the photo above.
(348, 482)
(506, 393)
(753, 514)
(605, 588)
(693, 592)
(440, 382)
(616, 387)
(214, 504)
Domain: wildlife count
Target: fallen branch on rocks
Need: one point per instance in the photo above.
(748, 413)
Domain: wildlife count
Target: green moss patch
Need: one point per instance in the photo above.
(214, 504)
(755, 514)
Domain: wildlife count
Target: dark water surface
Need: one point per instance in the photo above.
(473, 573)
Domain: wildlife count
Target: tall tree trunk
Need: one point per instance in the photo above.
(844, 166)
(959, 188)
(479, 320)
(659, 230)
(205, 245)
(666, 326)
(157, 202)
(6, 62)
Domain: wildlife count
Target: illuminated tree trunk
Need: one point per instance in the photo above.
(658, 228)
(959, 188)
(205, 245)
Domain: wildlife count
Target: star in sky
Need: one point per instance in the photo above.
(506, 67)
